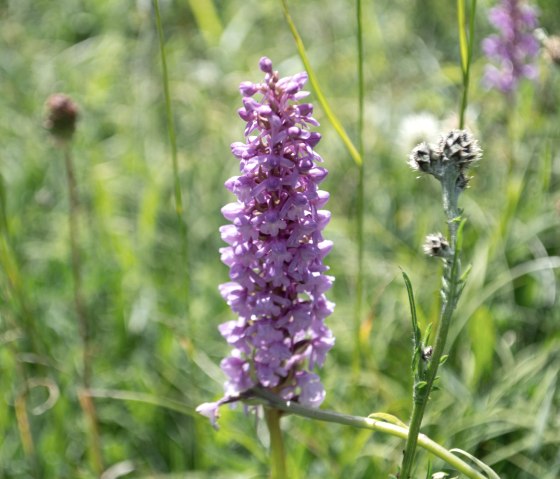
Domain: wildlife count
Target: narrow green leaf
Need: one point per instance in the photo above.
(487, 469)
(483, 336)
(354, 153)
(428, 333)
(443, 359)
(383, 416)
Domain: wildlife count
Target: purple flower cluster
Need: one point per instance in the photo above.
(514, 48)
(275, 248)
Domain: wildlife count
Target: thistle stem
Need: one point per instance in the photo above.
(277, 452)
(87, 404)
(450, 295)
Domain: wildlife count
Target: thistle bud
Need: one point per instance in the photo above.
(62, 114)
(426, 158)
(437, 245)
(460, 147)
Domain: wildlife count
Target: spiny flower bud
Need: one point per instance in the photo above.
(455, 152)
(460, 147)
(426, 158)
(62, 114)
(436, 245)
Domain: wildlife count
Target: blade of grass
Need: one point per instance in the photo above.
(173, 143)
(360, 194)
(354, 153)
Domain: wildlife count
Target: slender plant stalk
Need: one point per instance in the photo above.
(466, 47)
(360, 193)
(452, 269)
(83, 322)
(450, 293)
(354, 153)
(421, 396)
(177, 183)
(277, 452)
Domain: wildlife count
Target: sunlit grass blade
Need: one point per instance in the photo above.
(466, 48)
(354, 153)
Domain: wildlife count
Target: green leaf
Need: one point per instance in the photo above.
(443, 359)
(483, 336)
(428, 332)
(487, 469)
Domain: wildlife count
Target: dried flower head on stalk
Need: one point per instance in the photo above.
(455, 152)
(62, 115)
(275, 249)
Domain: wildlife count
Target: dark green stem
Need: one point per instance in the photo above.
(277, 452)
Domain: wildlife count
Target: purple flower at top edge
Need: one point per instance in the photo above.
(514, 49)
(275, 248)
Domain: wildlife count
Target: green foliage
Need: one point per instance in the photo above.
(499, 397)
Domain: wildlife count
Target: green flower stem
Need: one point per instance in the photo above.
(88, 406)
(367, 423)
(450, 294)
(277, 452)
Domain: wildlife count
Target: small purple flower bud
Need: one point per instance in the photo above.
(248, 89)
(265, 65)
(276, 249)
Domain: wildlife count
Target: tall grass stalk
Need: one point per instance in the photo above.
(176, 180)
(360, 193)
(466, 43)
(85, 399)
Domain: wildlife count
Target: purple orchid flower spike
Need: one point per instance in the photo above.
(515, 48)
(276, 249)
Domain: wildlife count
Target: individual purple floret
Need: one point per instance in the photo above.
(514, 48)
(276, 248)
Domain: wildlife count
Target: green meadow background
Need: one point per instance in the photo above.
(156, 350)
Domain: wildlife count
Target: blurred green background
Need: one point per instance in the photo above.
(153, 363)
